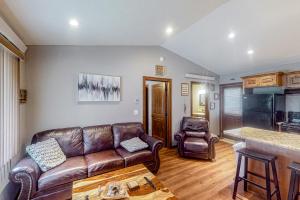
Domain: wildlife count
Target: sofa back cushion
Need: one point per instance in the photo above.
(69, 139)
(194, 124)
(97, 138)
(126, 131)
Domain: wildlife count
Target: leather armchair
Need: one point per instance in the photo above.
(194, 139)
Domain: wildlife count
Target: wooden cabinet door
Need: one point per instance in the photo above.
(159, 102)
(293, 80)
(269, 80)
(251, 82)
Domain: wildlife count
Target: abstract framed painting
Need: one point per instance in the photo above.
(94, 87)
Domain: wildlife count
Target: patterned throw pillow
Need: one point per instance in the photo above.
(47, 154)
(134, 144)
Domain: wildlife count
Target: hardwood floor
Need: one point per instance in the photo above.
(200, 179)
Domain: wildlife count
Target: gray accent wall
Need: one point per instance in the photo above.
(52, 75)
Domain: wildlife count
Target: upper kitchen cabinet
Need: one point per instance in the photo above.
(263, 80)
(293, 79)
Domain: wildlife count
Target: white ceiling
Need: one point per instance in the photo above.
(270, 27)
(102, 22)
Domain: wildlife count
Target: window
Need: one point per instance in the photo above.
(233, 101)
(9, 109)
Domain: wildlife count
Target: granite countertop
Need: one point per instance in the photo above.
(283, 140)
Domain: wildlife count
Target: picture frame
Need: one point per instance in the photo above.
(185, 89)
(212, 105)
(97, 87)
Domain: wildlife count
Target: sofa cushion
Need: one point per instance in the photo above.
(72, 169)
(104, 161)
(69, 139)
(97, 138)
(126, 131)
(47, 154)
(136, 157)
(194, 124)
(194, 144)
(134, 144)
(195, 134)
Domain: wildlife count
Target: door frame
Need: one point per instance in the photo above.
(169, 104)
(222, 87)
(206, 101)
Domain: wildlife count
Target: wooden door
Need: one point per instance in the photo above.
(231, 106)
(159, 111)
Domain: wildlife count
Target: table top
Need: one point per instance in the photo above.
(90, 186)
(283, 140)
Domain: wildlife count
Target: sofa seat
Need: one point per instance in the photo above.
(194, 144)
(72, 169)
(134, 158)
(103, 161)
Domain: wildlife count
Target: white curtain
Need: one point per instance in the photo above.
(9, 109)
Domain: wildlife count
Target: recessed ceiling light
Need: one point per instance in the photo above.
(231, 35)
(74, 23)
(250, 52)
(169, 30)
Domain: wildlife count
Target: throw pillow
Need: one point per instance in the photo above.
(134, 144)
(195, 134)
(47, 154)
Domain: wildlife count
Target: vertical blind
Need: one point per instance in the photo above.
(9, 109)
(233, 101)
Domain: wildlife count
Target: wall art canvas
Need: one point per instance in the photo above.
(94, 87)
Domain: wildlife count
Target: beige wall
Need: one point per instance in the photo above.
(52, 73)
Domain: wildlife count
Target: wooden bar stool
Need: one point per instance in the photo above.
(294, 182)
(267, 160)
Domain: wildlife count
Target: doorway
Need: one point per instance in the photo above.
(231, 106)
(157, 112)
(199, 100)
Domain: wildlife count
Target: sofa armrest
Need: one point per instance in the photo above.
(211, 140)
(155, 145)
(180, 137)
(26, 173)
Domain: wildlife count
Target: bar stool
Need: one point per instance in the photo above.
(294, 182)
(267, 160)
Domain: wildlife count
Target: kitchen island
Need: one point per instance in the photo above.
(286, 146)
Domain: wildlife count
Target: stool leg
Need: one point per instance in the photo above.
(268, 185)
(246, 174)
(296, 189)
(275, 180)
(237, 177)
(292, 185)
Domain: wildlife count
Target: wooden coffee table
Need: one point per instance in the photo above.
(90, 186)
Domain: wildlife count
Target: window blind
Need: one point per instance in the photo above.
(233, 101)
(9, 110)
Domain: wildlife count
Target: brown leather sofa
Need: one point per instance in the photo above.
(194, 139)
(89, 151)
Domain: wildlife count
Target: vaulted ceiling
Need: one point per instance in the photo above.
(270, 28)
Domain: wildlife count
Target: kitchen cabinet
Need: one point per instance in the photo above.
(263, 80)
(293, 79)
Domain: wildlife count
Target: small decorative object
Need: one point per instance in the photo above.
(184, 89)
(216, 96)
(115, 190)
(93, 87)
(160, 70)
(132, 185)
(23, 96)
(212, 105)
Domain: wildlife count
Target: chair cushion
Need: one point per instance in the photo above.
(195, 134)
(194, 124)
(103, 161)
(72, 169)
(47, 154)
(134, 144)
(136, 157)
(97, 138)
(197, 145)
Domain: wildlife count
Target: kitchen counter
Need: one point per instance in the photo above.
(285, 146)
(283, 140)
